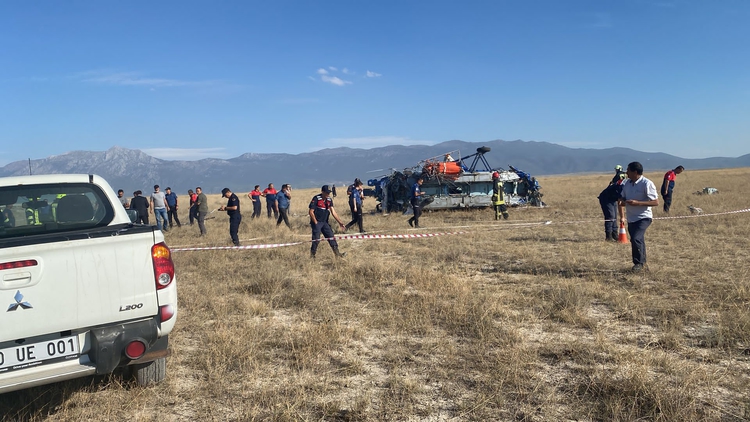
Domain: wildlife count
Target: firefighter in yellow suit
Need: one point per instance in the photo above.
(498, 198)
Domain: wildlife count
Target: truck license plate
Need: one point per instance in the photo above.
(28, 355)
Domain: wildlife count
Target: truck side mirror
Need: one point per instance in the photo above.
(133, 214)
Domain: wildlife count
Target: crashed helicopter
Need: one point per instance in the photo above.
(452, 184)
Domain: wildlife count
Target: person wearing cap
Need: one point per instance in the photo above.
(498, 197)
(416, 194)
(619, 175)
(233, 211)
(321, 207)
(355, 206)
(271, 205)
(171, 198)
(160, 207)
(667, 185)
(140, 205)
(283, 199)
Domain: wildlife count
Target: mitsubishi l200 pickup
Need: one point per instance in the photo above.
(83, 290)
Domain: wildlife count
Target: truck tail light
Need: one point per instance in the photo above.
(163, 265)
(135, 349)
(166, 312)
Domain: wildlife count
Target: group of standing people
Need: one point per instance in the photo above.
(164, 206)
(277, 202)
(634, 195)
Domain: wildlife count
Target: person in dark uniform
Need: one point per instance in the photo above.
(608, 201)
(416, 194)
(321, 206)
(233, 211)
(355, 206)
(333, 189)
(140, 205)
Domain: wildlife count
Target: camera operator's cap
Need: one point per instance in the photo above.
(168, 188)
(224, 191)
(156, 186)
(325, 189)
(618, 167)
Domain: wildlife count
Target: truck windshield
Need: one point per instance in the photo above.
(27, 210)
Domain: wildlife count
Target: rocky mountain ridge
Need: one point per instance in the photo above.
(130, 169)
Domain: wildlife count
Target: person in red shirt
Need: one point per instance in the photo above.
(668, 184)
(193, 210)
(270, 194)
(255, 197)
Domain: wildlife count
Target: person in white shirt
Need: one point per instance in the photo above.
(638, 195)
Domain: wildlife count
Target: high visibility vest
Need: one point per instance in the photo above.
(498, 195)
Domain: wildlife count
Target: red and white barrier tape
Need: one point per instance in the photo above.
(425, 235)
(344, 237)
(216, 248)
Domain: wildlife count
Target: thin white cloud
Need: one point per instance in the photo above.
(322, 71)
(332, 68)
(373, 74)
(373, 142)
(186, 153)
(136, 79)
(346, 71)
(335, 80)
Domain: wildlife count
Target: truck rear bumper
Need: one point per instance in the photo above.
(106, 352)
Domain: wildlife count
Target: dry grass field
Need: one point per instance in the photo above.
(506, 321)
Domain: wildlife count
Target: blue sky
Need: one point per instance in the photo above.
(192, 79)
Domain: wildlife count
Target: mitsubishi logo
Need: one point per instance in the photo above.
(18, 297)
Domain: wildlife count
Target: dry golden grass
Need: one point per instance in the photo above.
(501, 322)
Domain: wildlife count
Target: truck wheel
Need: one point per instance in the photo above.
(151, 372)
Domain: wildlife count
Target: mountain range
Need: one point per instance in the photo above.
(131, 170)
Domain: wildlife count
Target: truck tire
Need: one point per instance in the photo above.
(150, 373)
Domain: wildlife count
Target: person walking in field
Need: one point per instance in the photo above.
(355, 206)
(498, 197)
(171, 198)
(270, 194)
(201, 205)
(283, 199)
(233, 211)
(667, 186)
(321, 207)
(160, 208)
(636, 199)
(254, 196)
(416, 196)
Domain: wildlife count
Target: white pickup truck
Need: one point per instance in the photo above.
(83, 290)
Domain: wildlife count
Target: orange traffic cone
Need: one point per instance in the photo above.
(623, 238)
